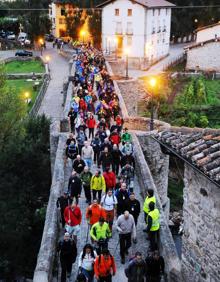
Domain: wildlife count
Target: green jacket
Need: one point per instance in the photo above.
(126, 137)
(98, 232)
(86, 177)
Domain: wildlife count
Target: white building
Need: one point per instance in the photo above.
(209, 32)
(142, 26)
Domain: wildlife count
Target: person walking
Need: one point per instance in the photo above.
(81, 138)
(96, 145)
(75, 186)
(97, 185)
(91, 123)
(126, 227)
(79, 164)
(109, 203)
(133, 206)
(105, 159)
(116, 159)
(110, 179)
(115, 138)
(68, 253)
(100, 233)
(122, 195)
(104, 267)
(73, 218)
(87, 154)
(150, 198)
(94, 212)
(136, 269)
(126, 137)
(86, 177)
(86, 262)
(153, 226)
(154, 267)
(71, 119)
(62, 202)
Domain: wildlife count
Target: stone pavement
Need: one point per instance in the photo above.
(52, 103)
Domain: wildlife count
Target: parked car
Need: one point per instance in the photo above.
(49, 37)
(23, 53)
(10, 35)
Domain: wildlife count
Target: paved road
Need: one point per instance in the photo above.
(175, 52)
(52, 103)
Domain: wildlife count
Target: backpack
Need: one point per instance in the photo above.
(113, 199)
(72, 149)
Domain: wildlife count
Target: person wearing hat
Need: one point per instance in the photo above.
(62, 202)
(136, 269)
(100, 233)
(68, 253)
(104, 267)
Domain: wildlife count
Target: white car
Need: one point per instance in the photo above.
(11, 36)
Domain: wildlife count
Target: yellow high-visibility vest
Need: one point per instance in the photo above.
(155, 215)
(147, 202)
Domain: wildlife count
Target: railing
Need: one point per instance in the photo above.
(34, 110)
(129, 31)
(118, 31)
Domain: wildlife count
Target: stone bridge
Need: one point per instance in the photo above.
(151, 172)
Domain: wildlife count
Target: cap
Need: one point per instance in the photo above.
(67, 234)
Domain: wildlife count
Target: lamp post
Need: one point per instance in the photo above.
(153, 83)
(126, 51)
(26, 95)
(41, 46)
(116, 48)
(109, 45)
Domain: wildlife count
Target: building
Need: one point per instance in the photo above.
(204, 55)
(142, 27)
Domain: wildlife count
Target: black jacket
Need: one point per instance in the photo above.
(133, 207)
(154, 267)
(136, 271)
(116, 156)
(128, 159)
(74, 186)
(68, 250)
(105, 159)
(63, 202)
(121, 196)
(78, 166)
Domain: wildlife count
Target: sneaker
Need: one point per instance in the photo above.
(68, 274)
(122, 261)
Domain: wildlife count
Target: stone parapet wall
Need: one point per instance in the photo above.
(158, 165)
(205, 57)
(167, 246)
(43, 270)
(201, 238)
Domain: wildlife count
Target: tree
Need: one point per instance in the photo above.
(95, 27)
(74, 21)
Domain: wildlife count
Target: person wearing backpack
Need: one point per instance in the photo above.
(62, 202)
(81, 138)
(96, 145)
(85, 177)
(72, 150)
(104, 267)
(86, 262)
(109, 203)
(68, 253)
(136, 269)
(71, 118)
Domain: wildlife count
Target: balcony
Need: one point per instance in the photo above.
(118, 31)
(129, 31)
(159, 30)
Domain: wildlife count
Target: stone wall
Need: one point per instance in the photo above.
(205, 57)
(201, 239)
(167, 246)
(159, 167)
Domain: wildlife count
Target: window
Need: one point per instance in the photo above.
(158, 12)
(129, 28)
(129, 41)
(163, 38)
(62, 21)
(118, 28)
(153, 30)
(116, 12)
(62, 12)
(129, 12)
(167, 11)
(153, 12)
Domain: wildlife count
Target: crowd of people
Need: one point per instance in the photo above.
(98, 140)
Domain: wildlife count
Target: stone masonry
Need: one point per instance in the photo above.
(201, 239)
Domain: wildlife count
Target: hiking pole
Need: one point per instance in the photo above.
(87, 235)
(116, 247)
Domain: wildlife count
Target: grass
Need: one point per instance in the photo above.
(24, 67)
(177, 68)
(21, 86)
(175, 194)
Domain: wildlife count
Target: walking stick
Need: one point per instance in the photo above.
(87, 235)
(116, 248)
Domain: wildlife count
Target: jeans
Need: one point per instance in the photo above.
(153, 237)
(89, 274)
(115, 168)
(88, 162)
(125, 243)
(96, 156)
(91, 132)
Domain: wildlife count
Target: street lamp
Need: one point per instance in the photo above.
(41, 46)
(127, 52)
(82, 34)
(26, 95)
(116, 48)
(153, 84)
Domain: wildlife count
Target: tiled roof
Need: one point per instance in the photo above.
(200, 149)
(201, 44)
(145, 3)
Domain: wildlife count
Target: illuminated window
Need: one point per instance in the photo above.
(116, 12)
(129, 40)
(129, 12)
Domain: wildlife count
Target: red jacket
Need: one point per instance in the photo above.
(91, 123)
(75, 216)
(110, 179)
(104, 267)
(115, 138)
(119, 121)
(82, 104)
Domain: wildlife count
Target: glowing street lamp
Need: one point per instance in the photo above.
(41, 42)
(82, 34)
(47, 59)
(26, 95)
(116, 47)
(153, 85)
(126, 52)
